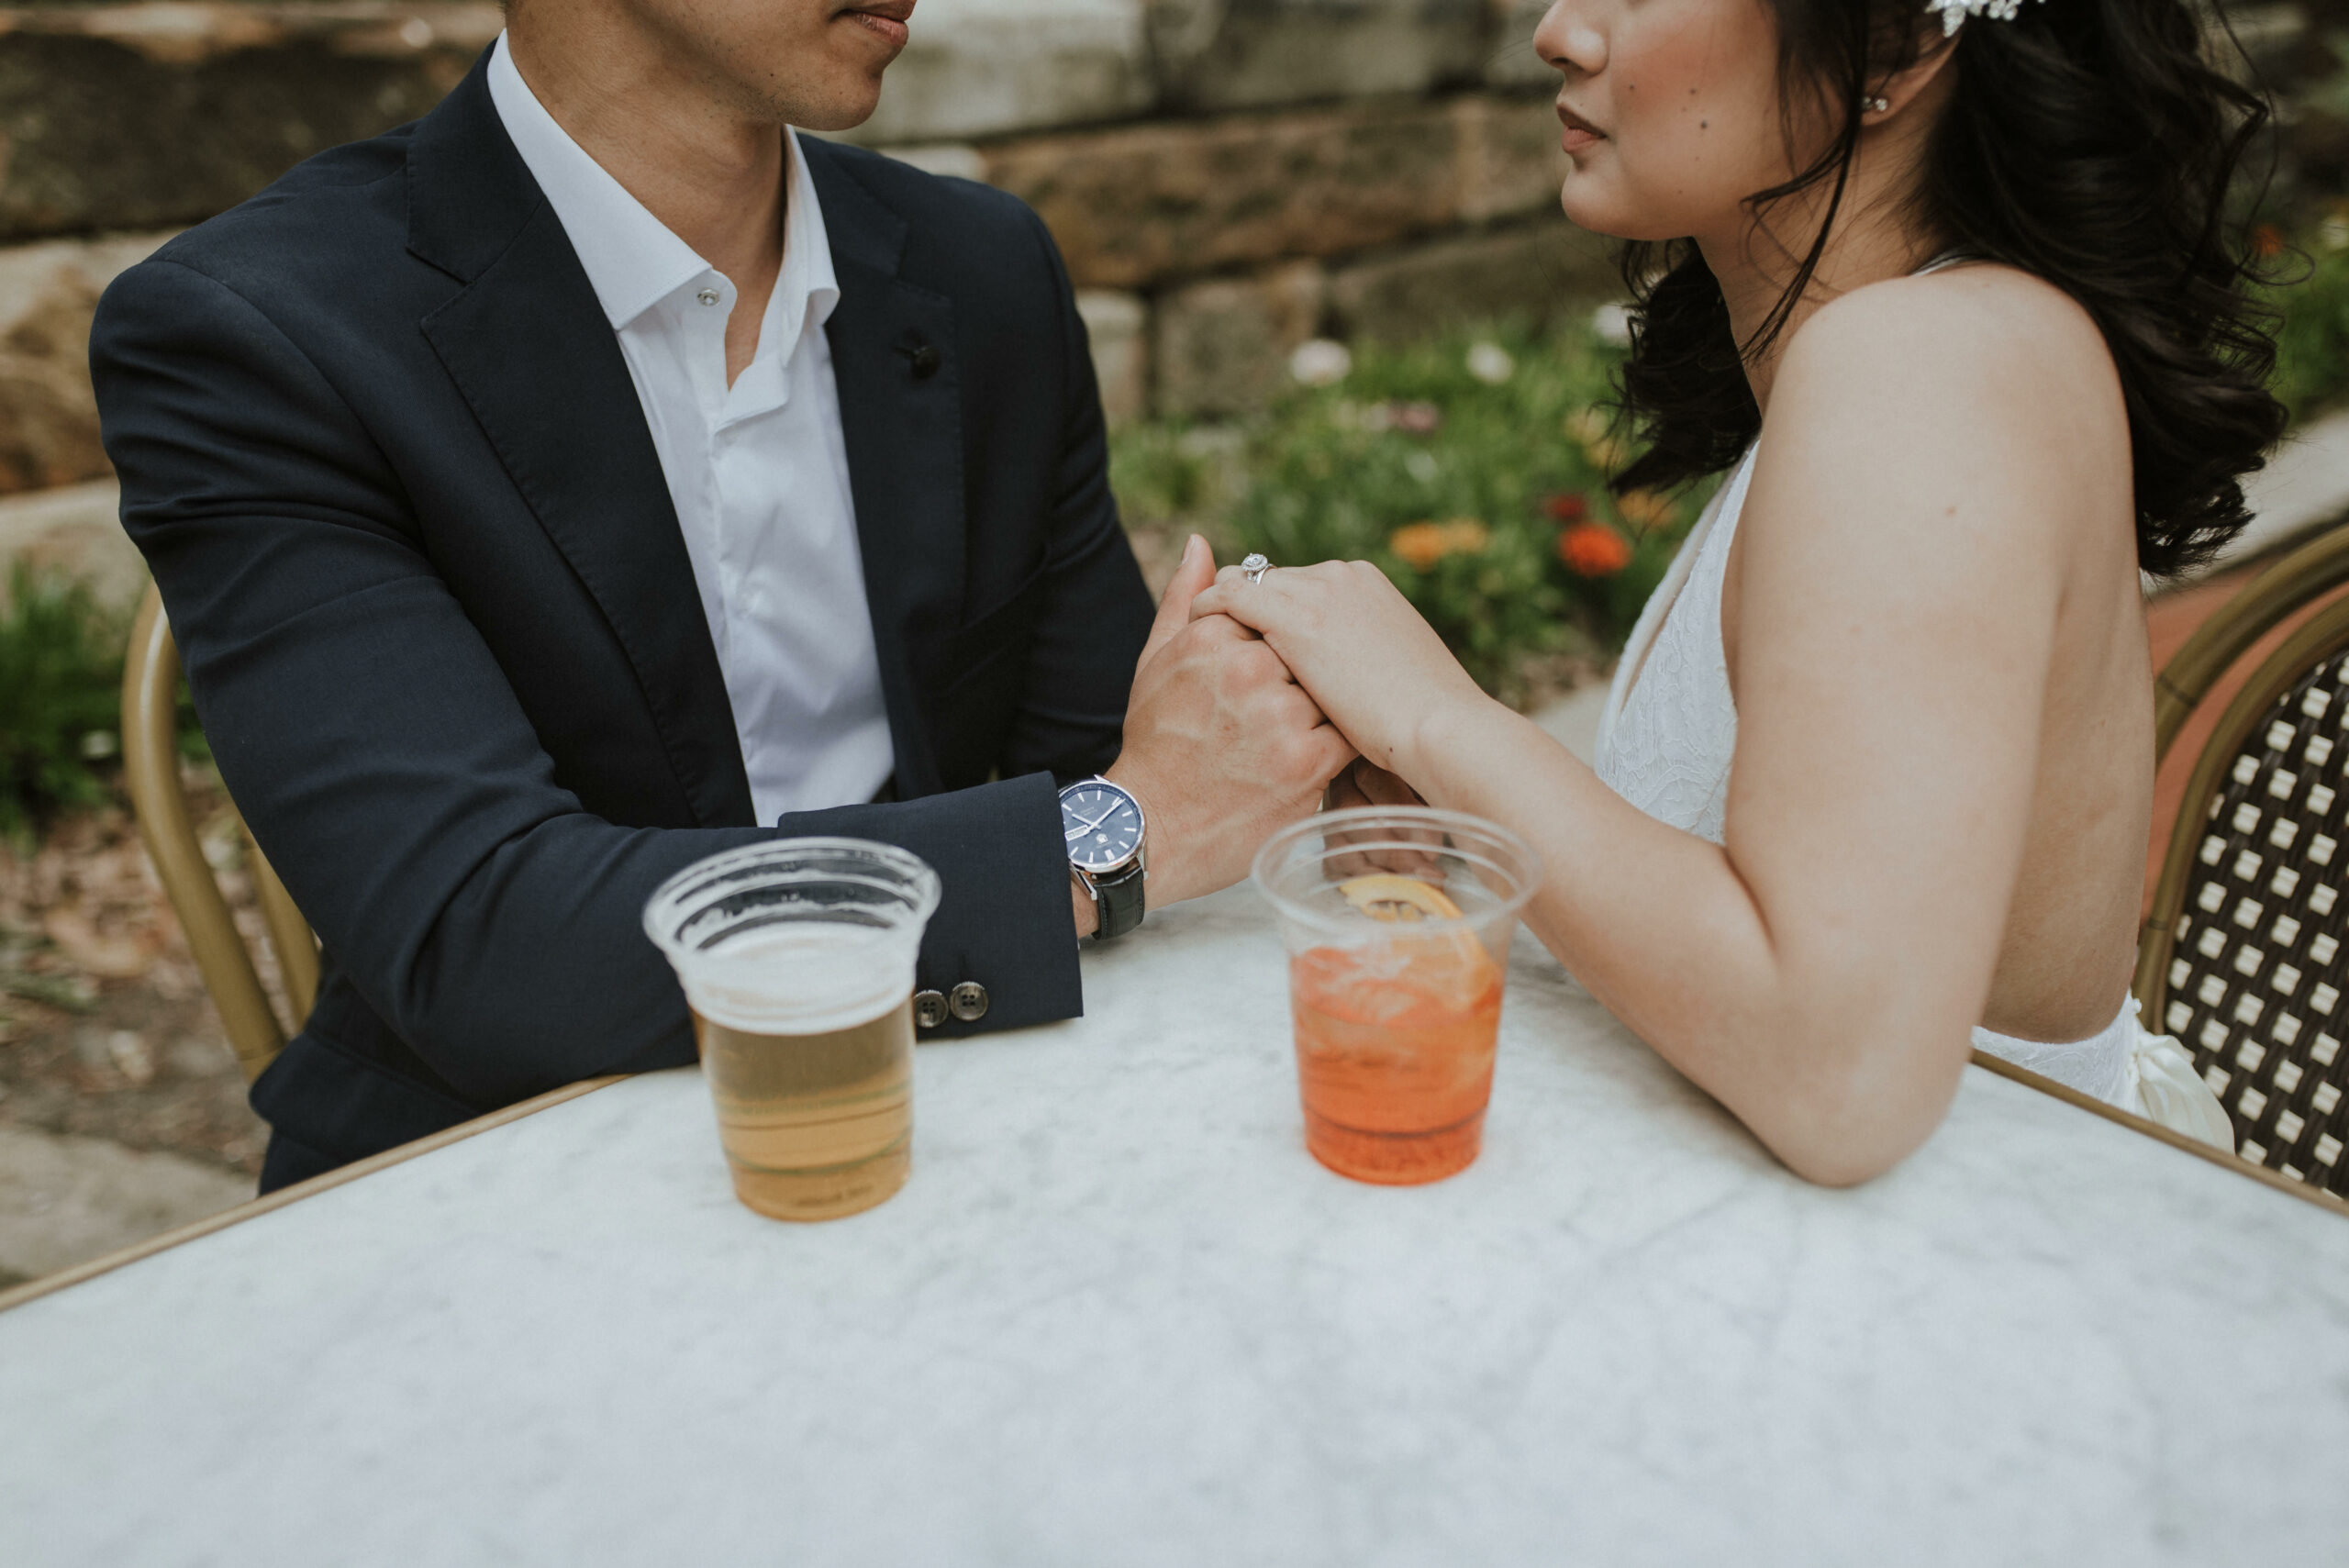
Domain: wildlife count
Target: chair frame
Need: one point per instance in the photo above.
(2298, 579)
(150, 681)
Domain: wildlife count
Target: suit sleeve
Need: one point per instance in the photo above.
(384, 761)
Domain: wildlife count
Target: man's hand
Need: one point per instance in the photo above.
(1365, 784)
(1221, 745)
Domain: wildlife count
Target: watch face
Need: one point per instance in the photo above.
(1102, 823)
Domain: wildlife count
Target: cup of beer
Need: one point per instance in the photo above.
(797, 960)
(1398, 922)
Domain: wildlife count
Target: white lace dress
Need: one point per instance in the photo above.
(1666, 745)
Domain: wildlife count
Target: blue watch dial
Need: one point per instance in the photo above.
(1102, 825)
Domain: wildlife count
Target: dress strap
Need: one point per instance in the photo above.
(1947, 259)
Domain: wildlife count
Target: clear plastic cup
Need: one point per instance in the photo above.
(1398, 922)
(797, 960)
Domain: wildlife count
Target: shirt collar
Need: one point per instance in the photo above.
(633, 260)
(807, 289)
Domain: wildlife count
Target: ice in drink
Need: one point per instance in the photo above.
(1395, 1042)
(1398, 923)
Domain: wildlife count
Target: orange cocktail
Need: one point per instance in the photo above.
(1398, 922)
(1394, 1055)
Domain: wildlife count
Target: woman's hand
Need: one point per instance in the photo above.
(1220, 746)
(1365, 657)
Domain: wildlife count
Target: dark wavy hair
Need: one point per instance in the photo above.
(2089, 142)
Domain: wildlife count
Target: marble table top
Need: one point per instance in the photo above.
(1119, 1317)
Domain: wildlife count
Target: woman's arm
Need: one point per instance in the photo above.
(1899, 571)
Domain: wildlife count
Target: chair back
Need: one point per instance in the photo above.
(151, 679)
(2245, 953)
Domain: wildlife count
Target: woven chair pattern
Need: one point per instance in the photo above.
(2258, 980)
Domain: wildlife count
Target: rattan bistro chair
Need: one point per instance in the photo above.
(2245, 953)
(151, 679)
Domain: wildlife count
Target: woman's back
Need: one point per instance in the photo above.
(1671, 730)
(1930, 660)
(2069, 941)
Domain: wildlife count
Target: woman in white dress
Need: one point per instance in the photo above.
(1948, 291)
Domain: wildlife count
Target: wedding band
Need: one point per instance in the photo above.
(1254, 566)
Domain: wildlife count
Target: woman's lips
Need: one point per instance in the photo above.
(1580, 133)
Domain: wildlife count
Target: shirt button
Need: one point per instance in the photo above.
(929, 1008)
(707, 296)
(969, 1001)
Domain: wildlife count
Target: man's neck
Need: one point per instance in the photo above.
(713, 176)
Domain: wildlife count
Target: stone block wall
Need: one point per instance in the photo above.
(1227, 178)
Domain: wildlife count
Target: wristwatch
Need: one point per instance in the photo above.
(1103, 825)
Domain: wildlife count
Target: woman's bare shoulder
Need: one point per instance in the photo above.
(1981, 382)
(1980, 336)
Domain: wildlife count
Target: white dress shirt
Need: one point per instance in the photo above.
(757, 471)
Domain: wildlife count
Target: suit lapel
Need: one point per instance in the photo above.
(901, 417)
(526, 344)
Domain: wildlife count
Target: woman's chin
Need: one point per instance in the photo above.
(1591, 210)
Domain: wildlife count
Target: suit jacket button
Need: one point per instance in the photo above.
(929, 1008)
(926, 361)
(970, 1001)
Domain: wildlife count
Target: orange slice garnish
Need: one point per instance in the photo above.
(1390, 898)
(1407, 900)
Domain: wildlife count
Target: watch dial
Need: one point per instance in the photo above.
(1103, 827)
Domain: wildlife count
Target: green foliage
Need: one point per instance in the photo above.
(60, 700)
(1462, 487)
(60, 678)
(2313, 340)
(1457, 466)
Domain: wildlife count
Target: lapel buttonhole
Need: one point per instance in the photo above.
(921, 355)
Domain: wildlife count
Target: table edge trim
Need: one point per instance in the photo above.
(32, 1290)
(2320, 1197)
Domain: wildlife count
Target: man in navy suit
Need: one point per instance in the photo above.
(597, 474)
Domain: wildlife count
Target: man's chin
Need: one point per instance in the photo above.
(847, 103)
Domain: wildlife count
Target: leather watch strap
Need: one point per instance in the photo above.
(1119, 899)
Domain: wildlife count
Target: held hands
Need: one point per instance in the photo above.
(1369, 660)
(1221, 745)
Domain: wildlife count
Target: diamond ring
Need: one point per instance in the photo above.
(1254, 566)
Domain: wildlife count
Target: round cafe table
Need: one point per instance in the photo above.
(1119, 1317)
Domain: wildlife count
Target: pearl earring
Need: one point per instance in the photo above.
(1877, 105)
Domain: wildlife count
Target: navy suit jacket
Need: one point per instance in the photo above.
(381, 450)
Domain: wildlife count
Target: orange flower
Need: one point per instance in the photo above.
(2266, 241)
(1594, 549)
(1643, 508)
(1465, 536)
(1589, 424)
(1421, 545)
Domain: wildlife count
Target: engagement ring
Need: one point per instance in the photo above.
(1254, 566)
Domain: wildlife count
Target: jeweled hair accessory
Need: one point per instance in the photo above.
(1956, 12)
